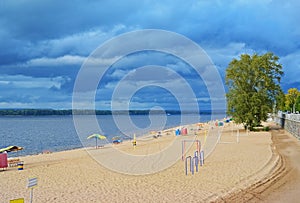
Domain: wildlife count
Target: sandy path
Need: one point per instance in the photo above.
(282, 184)
(287, 188)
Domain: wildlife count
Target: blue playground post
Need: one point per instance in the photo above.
(186, 167)
(196, 154)
(201, 158)
(195, 161)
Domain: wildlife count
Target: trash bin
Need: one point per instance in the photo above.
(20, 165)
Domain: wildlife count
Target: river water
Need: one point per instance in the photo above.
(56, 133)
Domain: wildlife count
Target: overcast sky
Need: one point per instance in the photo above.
(45, 43)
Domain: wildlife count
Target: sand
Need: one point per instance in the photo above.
(251, 168)
(283, 182)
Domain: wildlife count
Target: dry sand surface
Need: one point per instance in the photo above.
(249, 170)
(283, 182)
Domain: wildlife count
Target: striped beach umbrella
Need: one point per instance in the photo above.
(97, 136)
(11, 149)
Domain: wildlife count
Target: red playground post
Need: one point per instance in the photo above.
(198, 147)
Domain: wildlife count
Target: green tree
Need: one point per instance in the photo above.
(298, 104)
(253, 87)
(280, 102)
(291, 99)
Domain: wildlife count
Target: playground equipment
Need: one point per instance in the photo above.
(237, 127)
(183, 147)
(196, 160)
(201, 158)
(236, 141)
(205, 137)
(244, 134)
(191, 165)
(134, 141)
(227, 142)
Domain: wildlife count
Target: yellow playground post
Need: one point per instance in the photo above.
(134, 141)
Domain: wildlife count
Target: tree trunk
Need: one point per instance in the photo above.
(294, 106)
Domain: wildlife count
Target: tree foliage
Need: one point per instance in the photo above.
(292, 99)
(297, 106)
(253, 87)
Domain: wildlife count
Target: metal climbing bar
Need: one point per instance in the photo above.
(186, 166)
(195, 161)
(201, 158)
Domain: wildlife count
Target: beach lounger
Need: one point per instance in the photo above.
(13, 162)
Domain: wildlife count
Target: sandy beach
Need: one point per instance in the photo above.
(254, 167)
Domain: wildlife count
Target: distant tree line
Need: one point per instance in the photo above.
(47, 112)
(33, 112)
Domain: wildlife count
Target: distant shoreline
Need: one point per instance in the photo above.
(48, 112)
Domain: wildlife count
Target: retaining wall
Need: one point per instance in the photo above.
(290, 122)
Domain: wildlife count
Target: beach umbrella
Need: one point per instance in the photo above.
(97, 136)
(11, 149)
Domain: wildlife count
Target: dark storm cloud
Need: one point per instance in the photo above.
(51, 38)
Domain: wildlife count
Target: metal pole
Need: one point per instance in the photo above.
(183, 150)
(186, 166)
(195, 162)
(205, 136)
(192, 165)
(201, 158)
(31, 195)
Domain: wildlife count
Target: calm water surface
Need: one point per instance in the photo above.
(55, 133)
